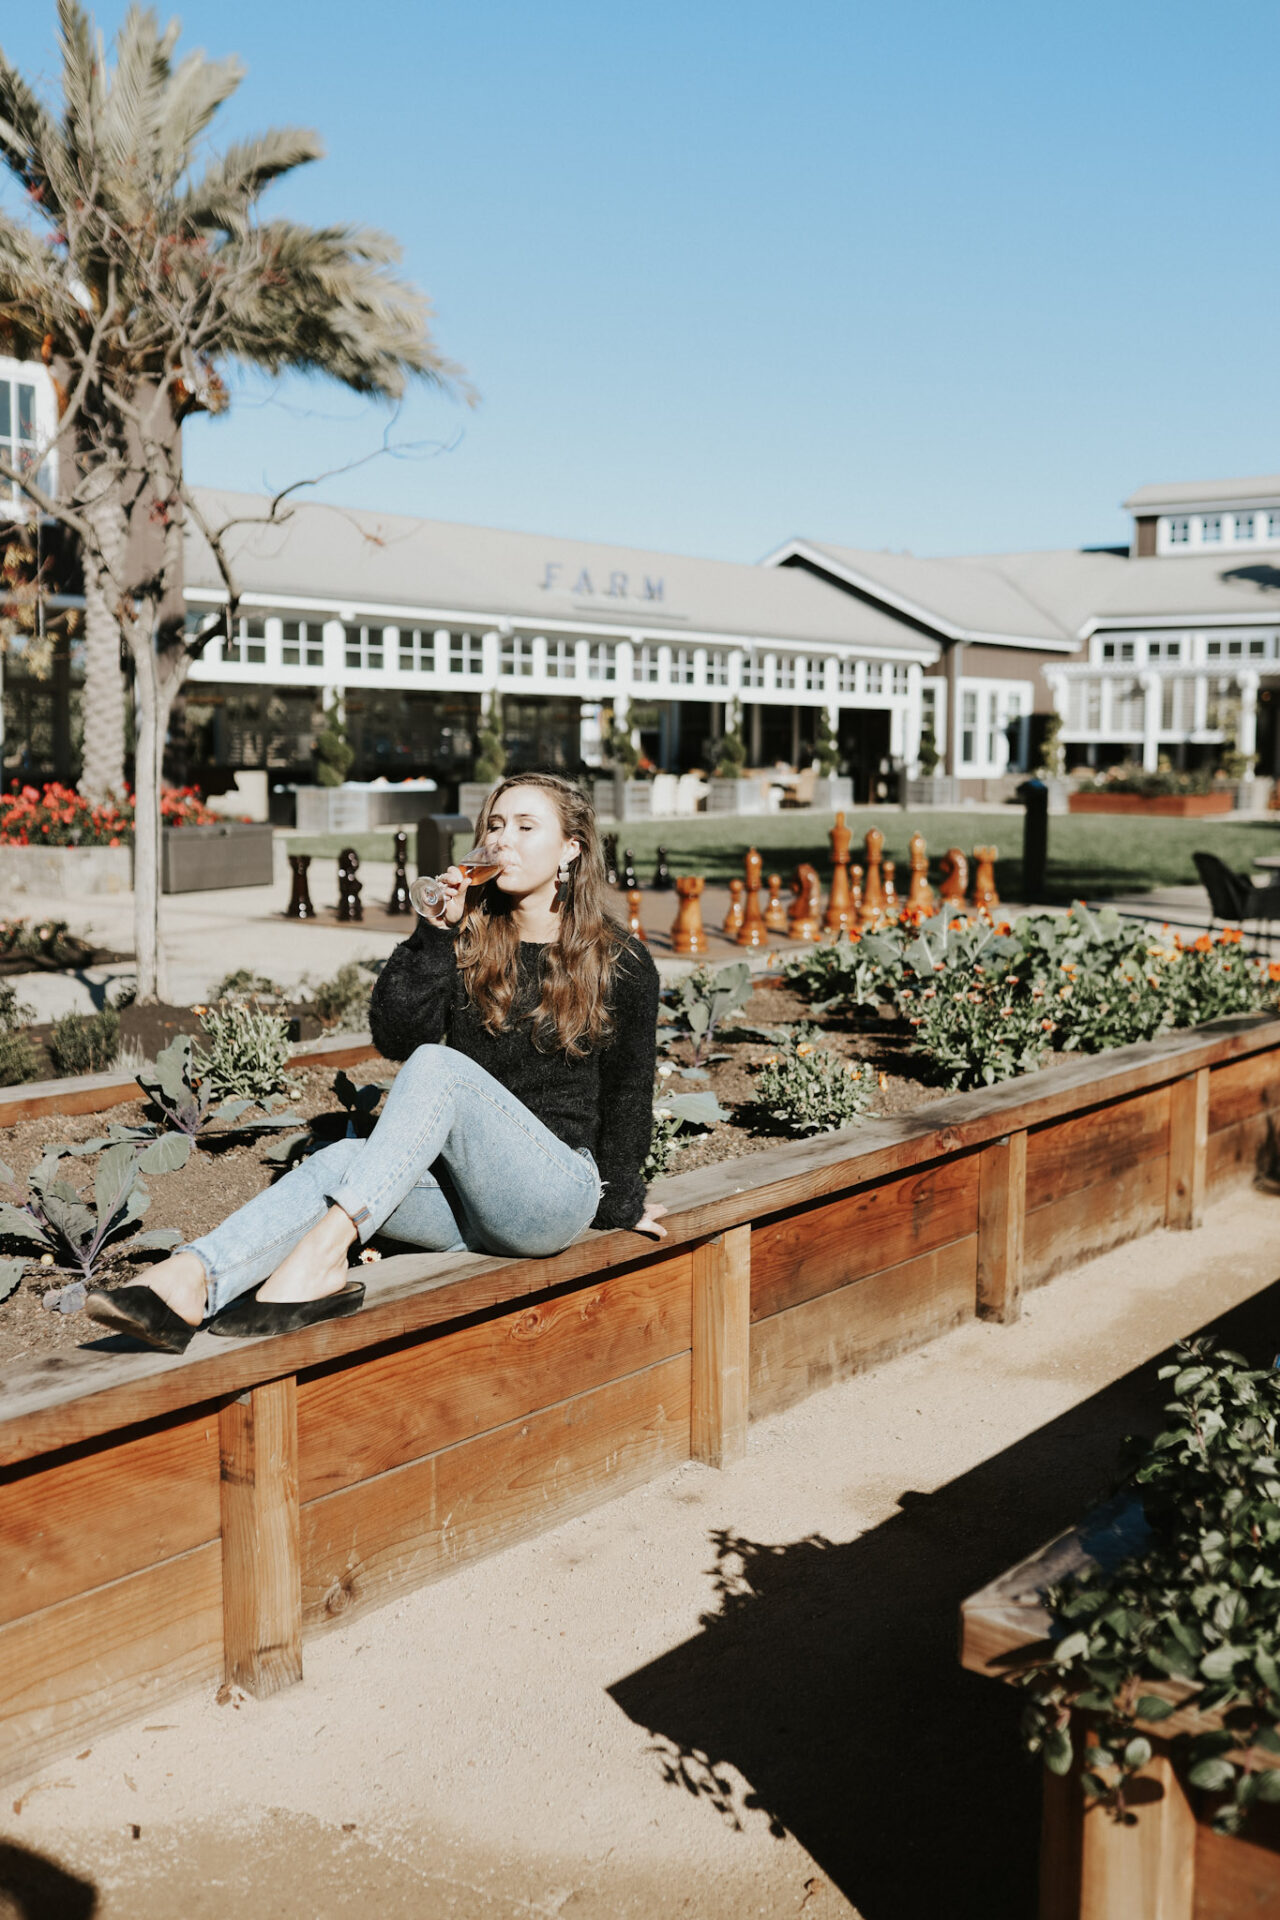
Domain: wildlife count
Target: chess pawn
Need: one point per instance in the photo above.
(891, 901)
(733, 919)
(803, 922)
(629, 881)
(687, 934)
(955, 877)
(873, 886)
(985, 897)
(919, 893)
(752, 932)
(775, 913)
(399, 901)
(633, 915)
(661, 882)
(300, 907)
(350, 905)
(839, 915)
(611, 859)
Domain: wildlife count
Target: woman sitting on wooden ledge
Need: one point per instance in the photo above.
(526, 1018)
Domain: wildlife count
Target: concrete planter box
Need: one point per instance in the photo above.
(623, 799)
(736, 796)
(1168, 806)
(1253, 793)
(198, 859)
(932, 790)
(359, 807)
(830, 795)
(66, 873)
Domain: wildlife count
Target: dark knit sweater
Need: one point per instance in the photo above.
(603, 1101)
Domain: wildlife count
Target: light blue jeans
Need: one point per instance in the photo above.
(512, 1186)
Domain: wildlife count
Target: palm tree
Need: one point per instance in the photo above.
(139, 281)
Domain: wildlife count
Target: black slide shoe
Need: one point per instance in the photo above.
(141, 1313)
(253, 1318)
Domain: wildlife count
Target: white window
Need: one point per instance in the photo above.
(900, 679)
(850, 675)
(1211, 526)
(647, 663)
(1179, 530)
(1119, 649)
(1093, 705)
(717, 667)
(562, 662)
(466, 653)
(363, 646)
(18, 444)
(417, 650)
(1258, 648)
(247, 642)
(875, 678)
(752, 670)
(517, 655)
(1235, 648)
(968, 726)
(1164, 649)
(682, 666)
(301, 643)
(1177, 704)
(1244, 526)
(813, 675)
(786, 672)
(1213, 649)
(1273, 526)
(602, 660)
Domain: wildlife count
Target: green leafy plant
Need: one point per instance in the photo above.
(78, 1226)
(672, 1113)
(491, 752)
(927, 754)
(731, 755)
(343, 1001)
(247, 1052)
(19, 1060)
(620, 750)
(1189, 1619)
(334, 752)
(182, 1106)
(1131, 778)
(807, 1089)
(1053, 756)
(245, 984)
(85, 1042)
(354, 1121)
(47, 940)
(826, 748)
(703, 999)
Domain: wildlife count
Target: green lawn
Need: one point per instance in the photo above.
(1092, 855)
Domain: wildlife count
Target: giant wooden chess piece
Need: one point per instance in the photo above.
(633, 915)
(891, 900)
(855, 897)
(350, 905)
(873, 885)
(611, 859)
(775, 913)
(985, 897)
(661, 882)
(955, 877)
(838, 917)
(300, 906)
(629, 880)
(733, 919)
(753, 932)
(400, 901)
(920, 893)
(687, 935)
(804, 921)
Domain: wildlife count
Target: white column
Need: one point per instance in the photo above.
(1150, 684)
(1247, 733)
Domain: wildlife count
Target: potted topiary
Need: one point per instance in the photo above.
(619, 793)
(490, 762)
(1052, 767)
(831, 790)
(727, 790)
(928, 787)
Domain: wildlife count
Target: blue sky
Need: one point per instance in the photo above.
(952, 279)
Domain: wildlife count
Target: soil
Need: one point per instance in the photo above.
(218, 1178)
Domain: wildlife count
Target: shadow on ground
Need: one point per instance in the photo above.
(827, 1675)
(33, 1887)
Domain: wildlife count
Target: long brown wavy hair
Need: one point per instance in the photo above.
(573, 1012)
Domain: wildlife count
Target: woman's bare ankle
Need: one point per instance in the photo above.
(317, 1266)
(182, 1284)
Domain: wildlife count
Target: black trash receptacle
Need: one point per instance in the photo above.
(435, 839)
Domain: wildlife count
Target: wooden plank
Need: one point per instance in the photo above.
(1243, 1088)
(1236, 1155)
(109, 1510)
(420, 1521)
(360, 1419)
(1061, 1839)
(808, 1347)
(1067, 1231)
(1188, 1145)
(261, 1582)
(1143, 1869)
(1002, 1207)
(721, 1348)
(78, 1669)
(67, 1398)
(801, 1255)
(1092, 1147)
(1238, 1879)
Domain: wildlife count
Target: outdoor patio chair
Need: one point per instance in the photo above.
(1233, 898)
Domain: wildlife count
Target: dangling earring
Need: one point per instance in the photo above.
(562, 882)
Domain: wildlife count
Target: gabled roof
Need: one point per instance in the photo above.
(350, 557)
(1205, 493)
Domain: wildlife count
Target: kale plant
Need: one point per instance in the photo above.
(703, 999)
(78, 1226)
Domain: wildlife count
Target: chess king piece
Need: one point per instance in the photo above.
(985, 897)
(838, 917)
(733, 919)
(687, 934)
(873, 883)
(955, 877)
(300, 907)
(803, 921)
(661, 881)
(775, 913)
(400, 901)
(350, 905)
(753, 932)
(633, 915)
(919, 893)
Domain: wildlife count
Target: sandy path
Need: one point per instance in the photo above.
(554, 1731)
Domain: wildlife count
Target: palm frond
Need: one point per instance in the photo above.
(83, 71)
(132, 110)
(225, 193)
(29, 138)
(196, 89)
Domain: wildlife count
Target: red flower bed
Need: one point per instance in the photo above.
(59, 817)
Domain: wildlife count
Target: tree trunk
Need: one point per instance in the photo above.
(152, 722)
(102, 761)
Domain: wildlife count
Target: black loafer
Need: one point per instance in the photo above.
(141, 1313)
(251, 1318)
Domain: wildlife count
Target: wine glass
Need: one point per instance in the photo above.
(477, 865)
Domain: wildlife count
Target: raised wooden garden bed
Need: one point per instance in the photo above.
(1168, 1863)
(1175, 806)
(166, 1522)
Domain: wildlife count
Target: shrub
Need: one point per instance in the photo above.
(245, 984)
(334, 752)
(85, 1042)
(247, 1053)
(491, 752)
(810, 1090)
(731, 755)
(55, 816)
(1130, 778)
(47, 940)
(826, 747)
(19, 1060)
(343, 1002)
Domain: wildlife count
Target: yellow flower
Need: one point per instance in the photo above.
(884, 1080)
(807, 1048)
(46, 1259)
